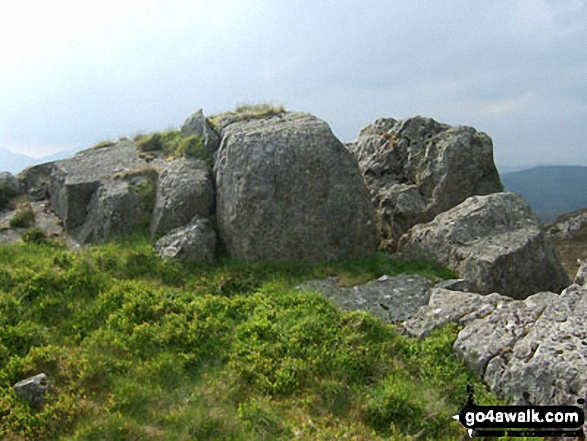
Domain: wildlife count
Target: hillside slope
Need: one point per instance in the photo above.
(550, 190)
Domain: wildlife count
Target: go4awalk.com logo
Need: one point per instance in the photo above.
(519, 421)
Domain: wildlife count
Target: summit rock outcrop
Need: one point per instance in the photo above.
(417, 168)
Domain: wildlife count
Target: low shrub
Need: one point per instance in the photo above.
(23, 219)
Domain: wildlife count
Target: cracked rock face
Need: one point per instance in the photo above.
(184, 191)
(288, 190)
(533, 351)
(417, 168)
(193, 242)
(495, 241)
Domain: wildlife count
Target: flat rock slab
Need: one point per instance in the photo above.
(392, 299)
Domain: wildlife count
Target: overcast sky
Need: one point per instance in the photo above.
(74, 73)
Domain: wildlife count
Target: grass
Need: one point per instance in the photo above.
(137, 348)
(249, 111)
(173, 144)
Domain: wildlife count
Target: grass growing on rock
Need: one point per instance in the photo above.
(142, 349)
(248, 111)
(173, 144)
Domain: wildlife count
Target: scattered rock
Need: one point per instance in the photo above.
(194, 242)
(33, 389)
(495, 241)
(417, 168)
(184, 191)
(198, 125)
(288, 190)
(392, 299)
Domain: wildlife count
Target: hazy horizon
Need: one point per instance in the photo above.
(77, 73)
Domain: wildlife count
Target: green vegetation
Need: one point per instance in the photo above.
(102, 145)
(6, 194)
(137, 348)
(23, 219)
(173, 144)
(249, 111)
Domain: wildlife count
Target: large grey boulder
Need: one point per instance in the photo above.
(184, 191)
(288, 190)
(193, 242)
(495, 241)
(417, 168)
(392, 299)
(197, 124)
(103, 192)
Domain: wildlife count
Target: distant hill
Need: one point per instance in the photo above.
(14, 162)
(17, 162)
(550, 190)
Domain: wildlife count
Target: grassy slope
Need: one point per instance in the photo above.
(138, 349)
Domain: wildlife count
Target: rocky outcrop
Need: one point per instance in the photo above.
(100, 193)
(184, 191)
(10, 182)
(549, 364)
(198, 125)
(495, 241)
(567, 225)
(531, 351)
(417, 168)
(393, 299)
(193, 242)
(288, 190)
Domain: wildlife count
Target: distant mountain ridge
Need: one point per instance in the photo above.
(550, 190)
(17, 162)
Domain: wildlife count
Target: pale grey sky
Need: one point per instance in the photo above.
(75, 73)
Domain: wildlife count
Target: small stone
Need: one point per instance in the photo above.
(33, 389)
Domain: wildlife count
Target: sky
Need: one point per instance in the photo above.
(75, 73)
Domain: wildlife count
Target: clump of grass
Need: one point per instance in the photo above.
(172, 145)
(248, 111)
(103, 144)
(36, 236)
(23, 219)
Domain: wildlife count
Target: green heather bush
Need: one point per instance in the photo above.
(23, 219)
(140, 348)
